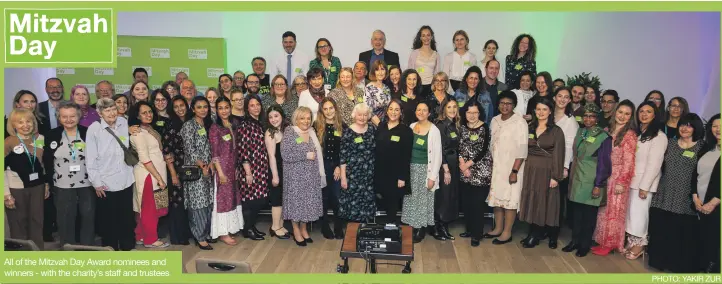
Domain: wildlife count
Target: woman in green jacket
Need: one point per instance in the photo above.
(591, 167)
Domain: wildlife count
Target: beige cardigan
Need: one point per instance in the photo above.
(149, 150)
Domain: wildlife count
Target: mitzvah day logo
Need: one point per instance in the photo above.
(37, 36)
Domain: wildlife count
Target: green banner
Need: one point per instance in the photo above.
(202, 59)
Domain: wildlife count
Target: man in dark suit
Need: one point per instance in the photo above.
(378, 41)
(56, 93)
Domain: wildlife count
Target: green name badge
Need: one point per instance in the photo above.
(688, 154)
(591, 139)
(461, 104)
(299, 140)
(160, 123)
(361, 99)
(40, 143)
(337, 133)
(531, 136)
(578, 118)
(395, 138)
(453, 134)
(123, 138)
(404, 99)
(202, 132)
(80, 145)
(298, 70)
(388, 67)
(518, 66)
(420, 69)
(358, 140)
(474, 137)
(420, 141)
(498, 92)
(467, 63)
(333, 68)
(227, 137)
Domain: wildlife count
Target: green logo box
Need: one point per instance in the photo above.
(71, 37)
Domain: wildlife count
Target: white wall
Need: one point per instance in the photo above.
(678, 53)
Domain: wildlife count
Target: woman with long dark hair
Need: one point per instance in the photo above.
(331, 65)
(410, 95)
(651, 145)
(276, 125)
(677, 108)
(253, 167)
(543, 170)
(174, 160)
(657, 97)
(706, 196)
(446, 199)
(470, 86)
(329, 128)
(424, 58)
(393, 160)
(542, 88)
(197, 154)
(522, 57)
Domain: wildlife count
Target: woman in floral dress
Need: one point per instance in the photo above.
(377, 95)
(357, 201)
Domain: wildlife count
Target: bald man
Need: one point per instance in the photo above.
(378, 52)
(182, 76)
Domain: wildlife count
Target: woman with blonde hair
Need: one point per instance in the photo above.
(329, 128)
(346, 94)
(28, 186)
(80, 95)
(439, 95)
(304, 175)
(457, 61)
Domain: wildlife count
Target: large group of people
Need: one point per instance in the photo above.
(317, 141)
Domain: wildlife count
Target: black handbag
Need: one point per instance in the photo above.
(129, 153)
(190, 173)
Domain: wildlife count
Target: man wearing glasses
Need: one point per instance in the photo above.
(292, 62)
(359, 72)
(56, 93)
(182, 76)
(188, 90)
(103, 89)
(610, 98)
(253, 85)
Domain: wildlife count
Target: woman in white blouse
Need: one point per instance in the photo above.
(311, 97)
(564, 119)
(424, 57)
(651, 145)
(457, 61)
(524, 93)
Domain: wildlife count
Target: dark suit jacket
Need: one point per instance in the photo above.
(390, 57)
(44, 109)
(55, 135)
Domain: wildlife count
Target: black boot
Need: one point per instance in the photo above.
(338, 227)
(255, 230)
(553, 233)
(445, 231)
(528, 235)
(570, 247)
(533, 239)
(436, 232)
(326, 228)
(420, 234)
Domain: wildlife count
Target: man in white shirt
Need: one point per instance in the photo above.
(360, 72)
(292, 62)
(182, 76)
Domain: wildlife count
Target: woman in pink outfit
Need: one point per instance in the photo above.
(609, 233)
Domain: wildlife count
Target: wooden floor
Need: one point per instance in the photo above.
(431, 256)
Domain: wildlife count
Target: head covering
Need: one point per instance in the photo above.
(593, 108)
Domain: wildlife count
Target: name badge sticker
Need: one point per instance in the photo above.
(75, 168)
(33, 176)
(395, 138)
(202, 132)
(358, 140)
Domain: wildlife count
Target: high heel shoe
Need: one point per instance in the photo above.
(301, 243)
(273, 233)
(632, 256)
(206, 247)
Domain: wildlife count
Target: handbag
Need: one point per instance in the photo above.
(161, 198)
(190, 173)
(130, 155)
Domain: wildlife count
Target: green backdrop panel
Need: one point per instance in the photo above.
(201, 58)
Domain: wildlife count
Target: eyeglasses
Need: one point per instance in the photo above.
(237, 100)
(170, 89)
(590, 116)
(323, 46)
(506, 103)
(187, 88)
(252, 83)
(279, 85)
(655, 100)
(300, 84)
(472, 112)
(675, 107)
(160, 100)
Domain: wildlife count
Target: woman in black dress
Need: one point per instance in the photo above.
(173, 151)
(447, 197)
(393, 160)
(274, 134)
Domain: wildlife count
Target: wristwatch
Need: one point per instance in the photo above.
(514, 171)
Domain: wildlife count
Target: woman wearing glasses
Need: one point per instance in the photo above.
(299, 85)
(677, 107)
(439, 95)
(657, 98)
(281, 96)
(225, 85)
(325, 61)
